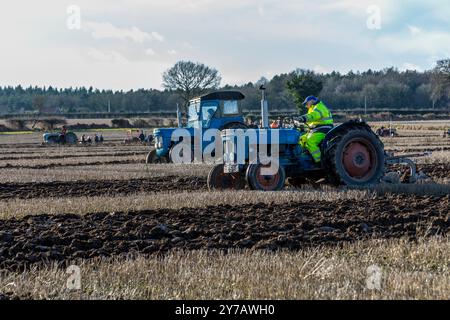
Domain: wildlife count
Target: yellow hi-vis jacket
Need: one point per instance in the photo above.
(319, 115)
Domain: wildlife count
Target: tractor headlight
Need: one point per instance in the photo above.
(229, 152)
(159, 142)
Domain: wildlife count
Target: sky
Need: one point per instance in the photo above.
(128, 44)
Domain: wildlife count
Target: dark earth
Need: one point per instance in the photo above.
(35, 240)
(154, 184)
(99, 187)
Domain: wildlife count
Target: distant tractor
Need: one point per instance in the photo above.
(135, 136)
(387, 132)
(218, 110)
(58, 138)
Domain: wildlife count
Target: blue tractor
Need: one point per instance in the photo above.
(218, 110)
(58, 138)
(351, 154)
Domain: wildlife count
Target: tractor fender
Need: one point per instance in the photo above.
(343, 127)
(233, 125)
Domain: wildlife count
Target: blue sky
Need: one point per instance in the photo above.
(124, 44)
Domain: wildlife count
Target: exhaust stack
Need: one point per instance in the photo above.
(264, 109)
(180, 124)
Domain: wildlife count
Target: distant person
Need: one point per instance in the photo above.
(62, 135)
(89, 140)
(274, 125)
(142, 136)
(101, 138)
(83, 139)
(96, 138)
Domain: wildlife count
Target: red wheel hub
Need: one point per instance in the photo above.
(358, 160)
(267, 182)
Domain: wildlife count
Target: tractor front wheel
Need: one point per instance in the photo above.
(265, 181)
(152, 158)
(219, 180)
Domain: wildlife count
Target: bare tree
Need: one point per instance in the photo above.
(441, 80)
(191, 79)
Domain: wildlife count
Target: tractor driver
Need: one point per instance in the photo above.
(319, 120)
(62, 135)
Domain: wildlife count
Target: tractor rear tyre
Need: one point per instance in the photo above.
(71, 138)
(152, 158)
(257, 181)
(218, 180)
(297, 182)
(355, 158)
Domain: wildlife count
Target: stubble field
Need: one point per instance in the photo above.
(155, 232)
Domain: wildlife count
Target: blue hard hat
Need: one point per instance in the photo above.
(310, 98)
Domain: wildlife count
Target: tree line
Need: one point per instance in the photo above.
(383, 89)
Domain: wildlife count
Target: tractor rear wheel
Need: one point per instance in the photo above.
(257, 181)
(71, 138)
(152, 158)
(355, 158)
(218, 180)
(297, 182)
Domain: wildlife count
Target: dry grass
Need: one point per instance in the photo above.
(103, 172)
(73, 161)
(439, 125)
(408, 271)
(19, 207)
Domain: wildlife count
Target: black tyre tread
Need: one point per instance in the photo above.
(211, 178)
(74, 138)
(332, 171)
(251, 182)
(151, 158)
(211, 174)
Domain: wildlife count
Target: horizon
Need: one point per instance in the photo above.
(222, 86)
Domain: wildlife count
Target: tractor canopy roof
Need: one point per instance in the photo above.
(222, 95)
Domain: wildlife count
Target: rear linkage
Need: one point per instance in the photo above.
(414, 176)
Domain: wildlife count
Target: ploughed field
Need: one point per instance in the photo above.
(292, 226)
(102, 205)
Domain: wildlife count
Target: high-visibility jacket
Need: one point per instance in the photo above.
(319, 115)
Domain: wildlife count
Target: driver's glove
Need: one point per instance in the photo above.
(303, 119)
(297, 123)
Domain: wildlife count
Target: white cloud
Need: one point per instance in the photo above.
(415, 31)
(428, 43)
(172, 52)
(105, 56)
(410, 66)
(321, 69)
(106, 30)
(150, 52)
